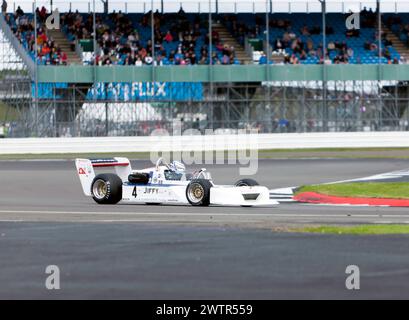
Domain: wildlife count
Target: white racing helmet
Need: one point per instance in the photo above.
(177, 166)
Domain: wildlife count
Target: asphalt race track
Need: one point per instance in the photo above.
(50, 191)
(136, 251)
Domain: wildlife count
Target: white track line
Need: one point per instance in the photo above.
(381, 176)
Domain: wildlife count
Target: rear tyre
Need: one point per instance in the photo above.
(106, 189)
(246, 183)
(198, 192)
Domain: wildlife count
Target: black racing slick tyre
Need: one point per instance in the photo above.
(246, 183)
(106, 189)
(198, 192)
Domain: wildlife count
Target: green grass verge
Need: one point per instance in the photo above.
(397, 190)
(356, 230)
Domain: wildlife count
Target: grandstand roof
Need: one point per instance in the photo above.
(223, 6)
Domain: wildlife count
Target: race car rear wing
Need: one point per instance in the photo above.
(86, 173)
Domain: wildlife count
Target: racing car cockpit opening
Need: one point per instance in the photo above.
(171, 175)
(176, 171)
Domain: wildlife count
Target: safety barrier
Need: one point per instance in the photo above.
(204, 142)
(221, 73)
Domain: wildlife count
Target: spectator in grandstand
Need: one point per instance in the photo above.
(278, 46)
(341, 59)
(225, 59)
(215, 59)
(63, 57)
(367, 45)
(4, 7)
(292, 35)
(19, 12)
(294, 59)
(327, 60)
(331, 46)
(297, 46)
(41, 37)
(387, 54)
(350, 53)
(369, 18)
(387, 42)
(286, 39)
(203, 60)
(107, 62)
(310, 45)
(138, 62)
(148, 59)
(41, 13)
(303, 55)
(305, 31)
(341, 48)
(45, 49)
(263, 59)
(370, 46)
(168, 37)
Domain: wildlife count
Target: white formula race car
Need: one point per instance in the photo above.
(164, 184)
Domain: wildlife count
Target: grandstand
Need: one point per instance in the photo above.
(276, 66)
(182, 38)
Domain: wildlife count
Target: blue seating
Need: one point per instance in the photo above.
(298, 20)
(255, 27)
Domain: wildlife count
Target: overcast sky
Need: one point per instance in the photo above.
(224, 5)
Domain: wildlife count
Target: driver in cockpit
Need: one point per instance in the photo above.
(176, 171)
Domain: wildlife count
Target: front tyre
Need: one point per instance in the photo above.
(246, 183)
(198, 192)
(106, 189)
